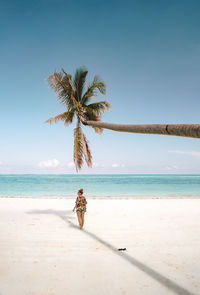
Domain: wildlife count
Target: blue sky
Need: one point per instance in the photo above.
(148, 52)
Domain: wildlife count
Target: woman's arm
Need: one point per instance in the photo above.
(75, 205)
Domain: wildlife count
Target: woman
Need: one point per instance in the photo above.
(80, 206)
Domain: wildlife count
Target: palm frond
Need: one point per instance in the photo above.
(62, 85)
(86, 151)
(90, 115)
(94, 112)
(79, 82)
(97, 84)
(99, 107)
(67, 117)
(55, 119)
(78, 147)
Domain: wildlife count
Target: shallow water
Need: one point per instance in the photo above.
(100, 185)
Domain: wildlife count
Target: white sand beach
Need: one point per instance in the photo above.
(43, 251)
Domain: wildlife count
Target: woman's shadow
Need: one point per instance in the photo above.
(66, 216)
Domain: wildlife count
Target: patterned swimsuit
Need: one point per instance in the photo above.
(81, 204)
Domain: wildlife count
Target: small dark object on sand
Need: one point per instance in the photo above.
(122, 249)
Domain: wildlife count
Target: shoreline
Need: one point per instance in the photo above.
(170, 197)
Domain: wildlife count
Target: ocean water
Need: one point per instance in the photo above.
(63, 186)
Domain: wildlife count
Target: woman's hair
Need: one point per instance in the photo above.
(80, 191)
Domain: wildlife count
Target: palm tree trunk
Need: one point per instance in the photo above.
(185, 130)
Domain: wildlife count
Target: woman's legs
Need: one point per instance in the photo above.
(79, 218)
(82, 217)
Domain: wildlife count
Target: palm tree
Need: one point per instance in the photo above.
(71, 93)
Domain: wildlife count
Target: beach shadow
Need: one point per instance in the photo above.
(65, 215)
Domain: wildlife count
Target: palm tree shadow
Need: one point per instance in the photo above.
(65, 215)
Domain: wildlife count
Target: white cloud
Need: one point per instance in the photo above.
(115, 165)
(173, 167)
(70, 164)
(49, 164)
(1, 163)
(189, 153)
(95, 164)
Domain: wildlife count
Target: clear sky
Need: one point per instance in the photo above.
(148, 52)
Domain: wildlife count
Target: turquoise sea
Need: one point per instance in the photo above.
(63, 186)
